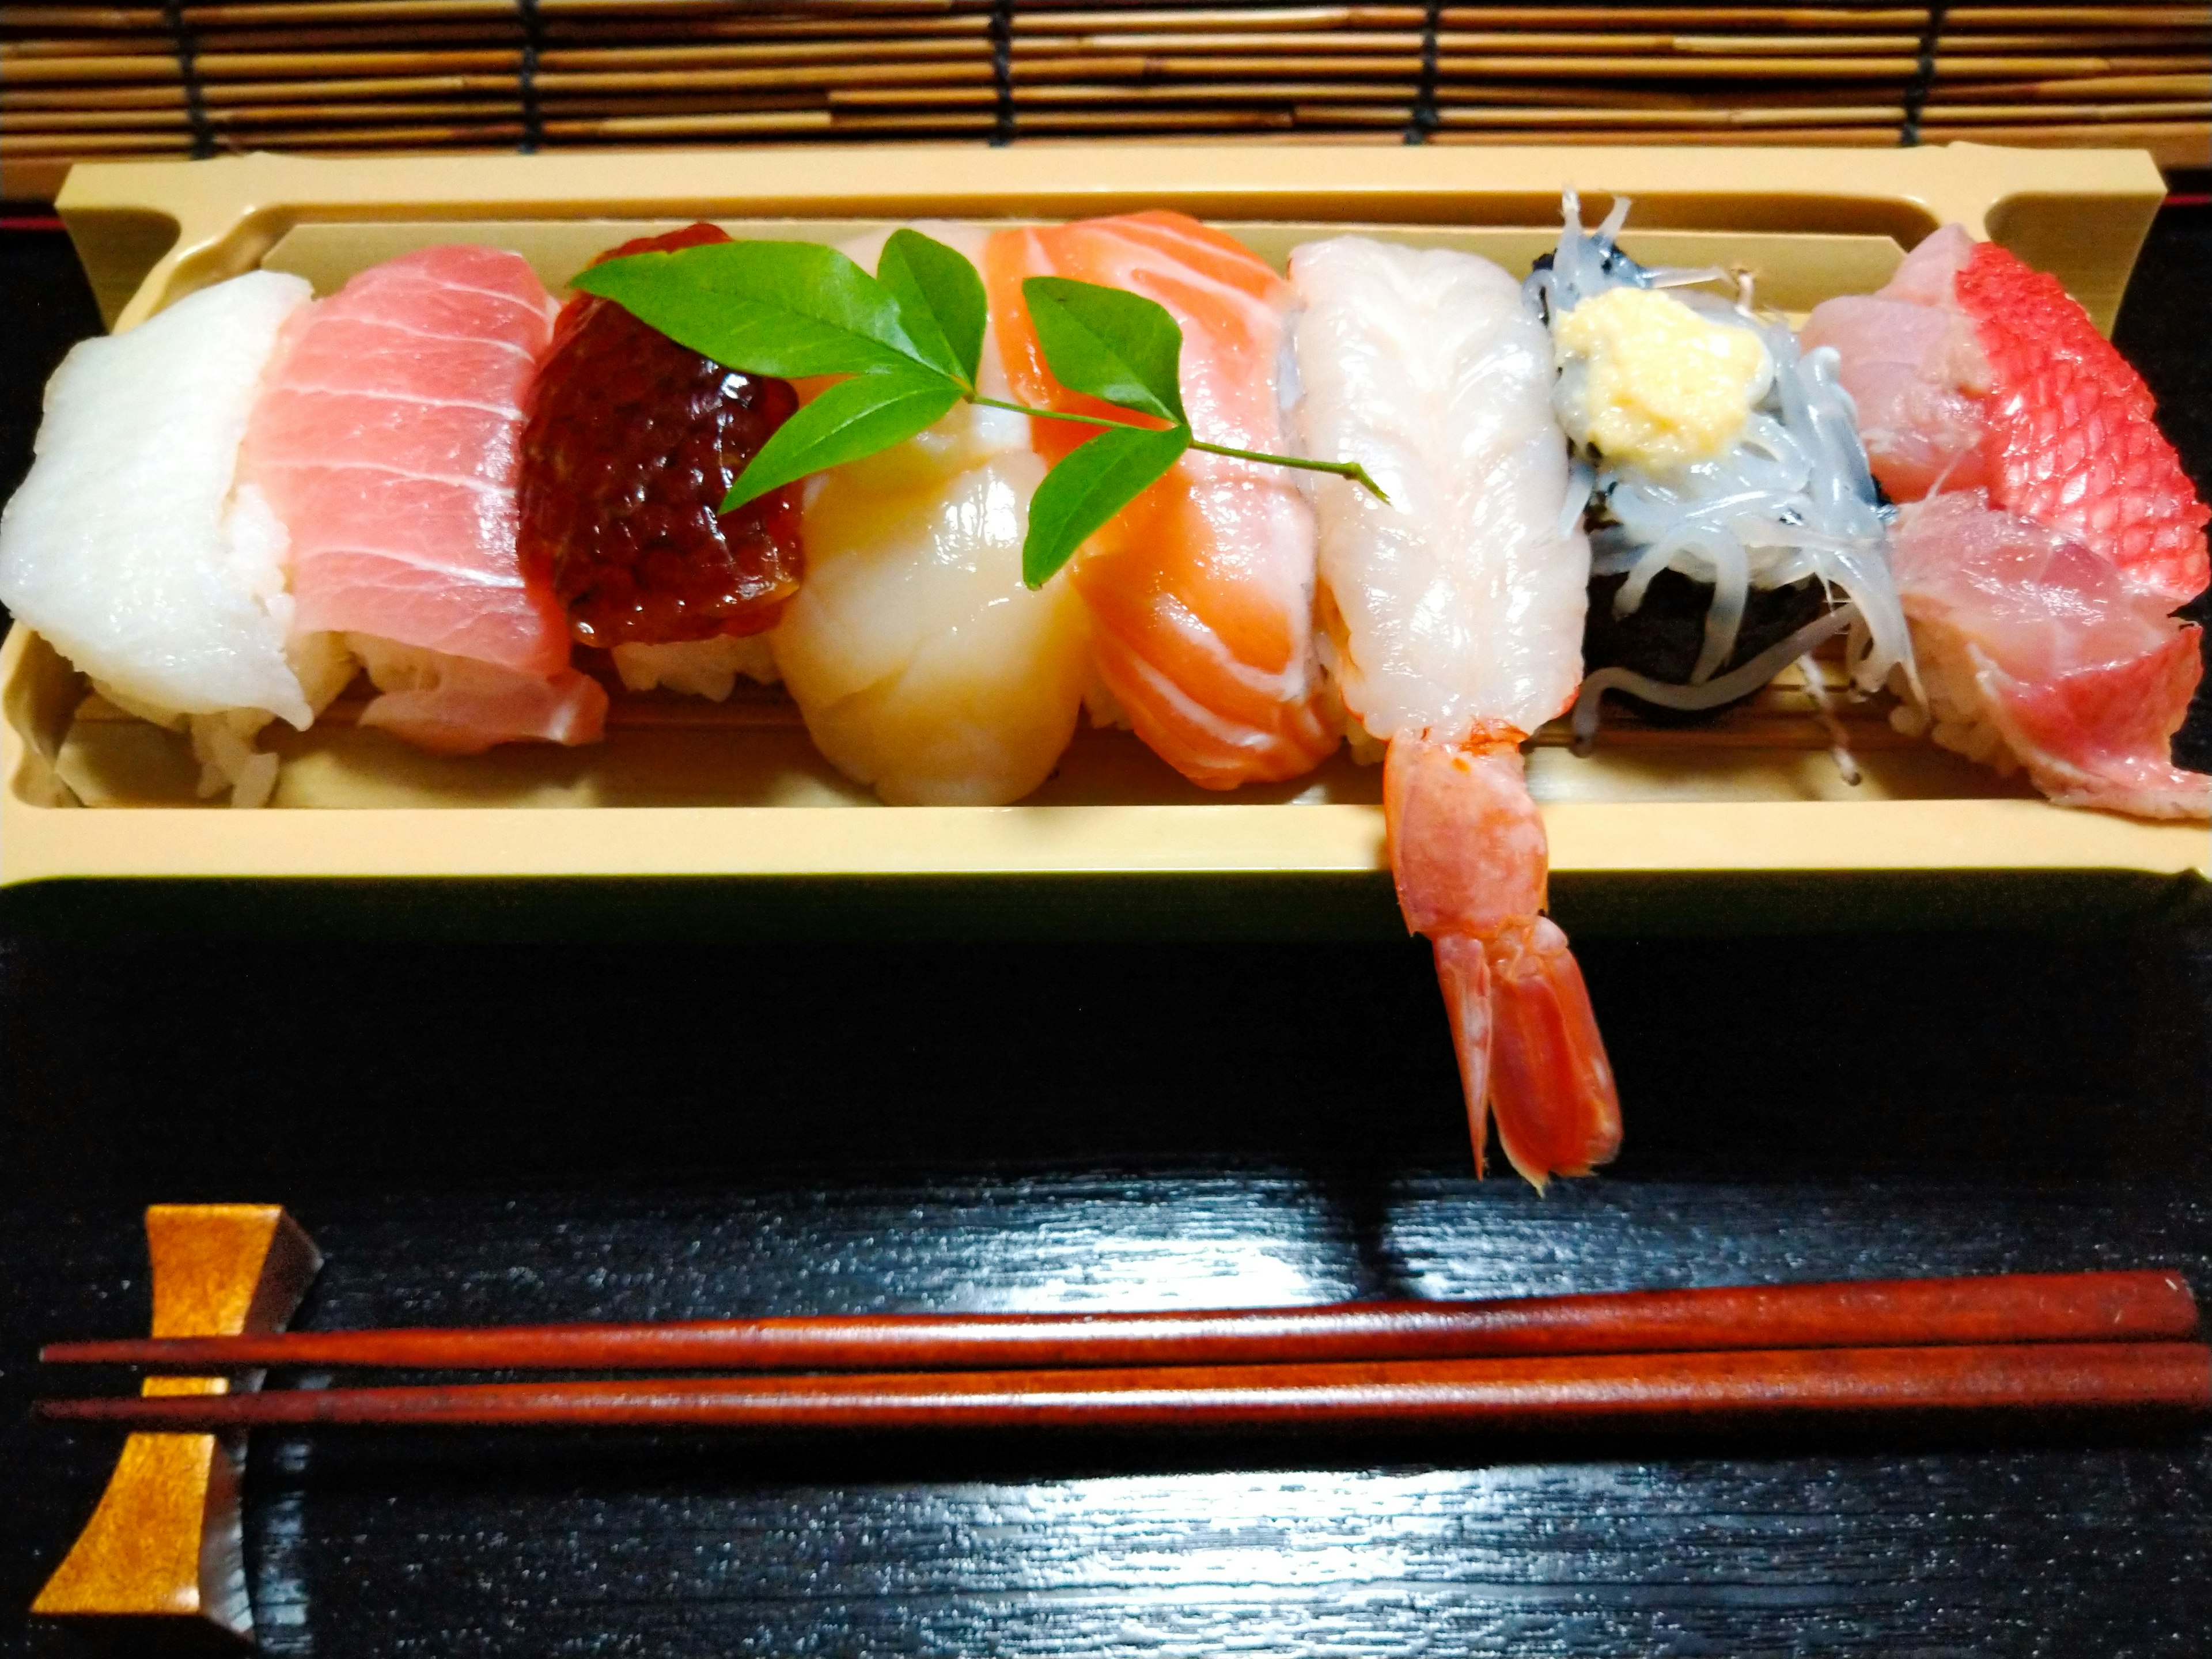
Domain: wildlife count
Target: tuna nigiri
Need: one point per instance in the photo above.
(1455, 625)
(386, 442)
(1201, 591)
(133, 549)
(923, 664)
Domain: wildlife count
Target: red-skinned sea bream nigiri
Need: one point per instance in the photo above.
(2049, 530)
(1972, 370)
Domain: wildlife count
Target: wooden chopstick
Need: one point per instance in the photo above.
(1552, 1393)
(2018, 1307)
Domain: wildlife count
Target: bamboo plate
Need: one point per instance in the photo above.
(699, 818)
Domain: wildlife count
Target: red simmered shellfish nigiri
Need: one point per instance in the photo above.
(632, 442)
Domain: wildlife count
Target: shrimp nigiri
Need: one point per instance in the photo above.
(1454, 618)
(1200, 591)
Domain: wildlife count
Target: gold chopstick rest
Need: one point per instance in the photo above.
(166, 1540)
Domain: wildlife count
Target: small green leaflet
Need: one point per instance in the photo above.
(1094, 481)
(1114, 345)
(786, 308)
(940, 300)
(849, 422)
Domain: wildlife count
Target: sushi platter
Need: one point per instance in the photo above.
(688, 810)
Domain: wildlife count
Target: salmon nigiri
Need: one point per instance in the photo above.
(1455, 629)
(1200, 591)
(387, 442)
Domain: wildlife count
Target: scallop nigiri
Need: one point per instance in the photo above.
(923, 664)
(387, 443)
(1200, 591)
(1455, 621)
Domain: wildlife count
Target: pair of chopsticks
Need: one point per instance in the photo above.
(2061, 1342)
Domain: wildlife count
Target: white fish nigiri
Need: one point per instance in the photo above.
(132, 548)
(923, 664)
(1454, 614)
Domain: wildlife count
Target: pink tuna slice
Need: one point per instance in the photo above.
(2078, 670)
(387, 442)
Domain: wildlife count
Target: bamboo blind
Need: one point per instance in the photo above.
(336, 76)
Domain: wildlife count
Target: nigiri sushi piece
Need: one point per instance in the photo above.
(1454, 628)
(1971, 370)
(921, 664)
(387, 442)
(1733, 521)
(631, 444)
(2036, 653)
(136, 551)
(1200, 591)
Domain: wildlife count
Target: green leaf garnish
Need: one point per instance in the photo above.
(912, 342)
(940, 300)
(790, 309)
(1095, 480)
(1112, 344)
(849, 422)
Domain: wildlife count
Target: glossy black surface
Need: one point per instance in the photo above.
(498, 1133)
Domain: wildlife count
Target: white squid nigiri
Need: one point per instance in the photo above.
(923, 664)
(136, 551)
(1454, 618)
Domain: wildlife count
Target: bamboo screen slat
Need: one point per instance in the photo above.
(361, 75)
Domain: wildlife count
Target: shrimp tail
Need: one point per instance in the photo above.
(1468, 852)
(1464, 973)
(1551, 1085)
